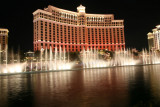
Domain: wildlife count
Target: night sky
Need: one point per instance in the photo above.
(140, 17)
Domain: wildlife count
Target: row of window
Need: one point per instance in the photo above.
(78, 48)
(47, 33)
(93, 21)
(3, 32)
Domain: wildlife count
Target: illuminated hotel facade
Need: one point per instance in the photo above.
(154, 38)
(3, 39)
(74, 31)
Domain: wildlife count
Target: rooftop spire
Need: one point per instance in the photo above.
(81, 8)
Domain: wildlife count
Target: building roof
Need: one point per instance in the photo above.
(4, 29)
(48, 11)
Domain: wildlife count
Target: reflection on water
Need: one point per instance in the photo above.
(152, 74)
(119, 86)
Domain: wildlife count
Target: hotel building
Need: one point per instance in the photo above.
(74, 31)
(3, 39)
(154, 38)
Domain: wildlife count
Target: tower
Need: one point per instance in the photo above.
(3, 38)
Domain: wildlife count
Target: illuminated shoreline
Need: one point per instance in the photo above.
(76, 69)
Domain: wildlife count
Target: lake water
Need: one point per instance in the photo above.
(109, 87)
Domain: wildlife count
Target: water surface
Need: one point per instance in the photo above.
(108, 87)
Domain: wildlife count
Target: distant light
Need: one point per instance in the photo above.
(5, 71)
(12, 70)
(18, 69)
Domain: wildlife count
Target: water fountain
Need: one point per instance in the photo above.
(7, 66)
(50, 61)
(90, 58)
(150, 58)
(55, 61)
(124, 58)
(59, 60)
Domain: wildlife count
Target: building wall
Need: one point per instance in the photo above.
(154, 38)
(75, 31)
(150, 43)
(3, 39)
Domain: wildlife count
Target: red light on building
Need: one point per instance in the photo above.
(74, 31)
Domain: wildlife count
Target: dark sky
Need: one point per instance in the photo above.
(140, 17)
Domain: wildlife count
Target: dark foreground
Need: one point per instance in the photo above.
(131, 86)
